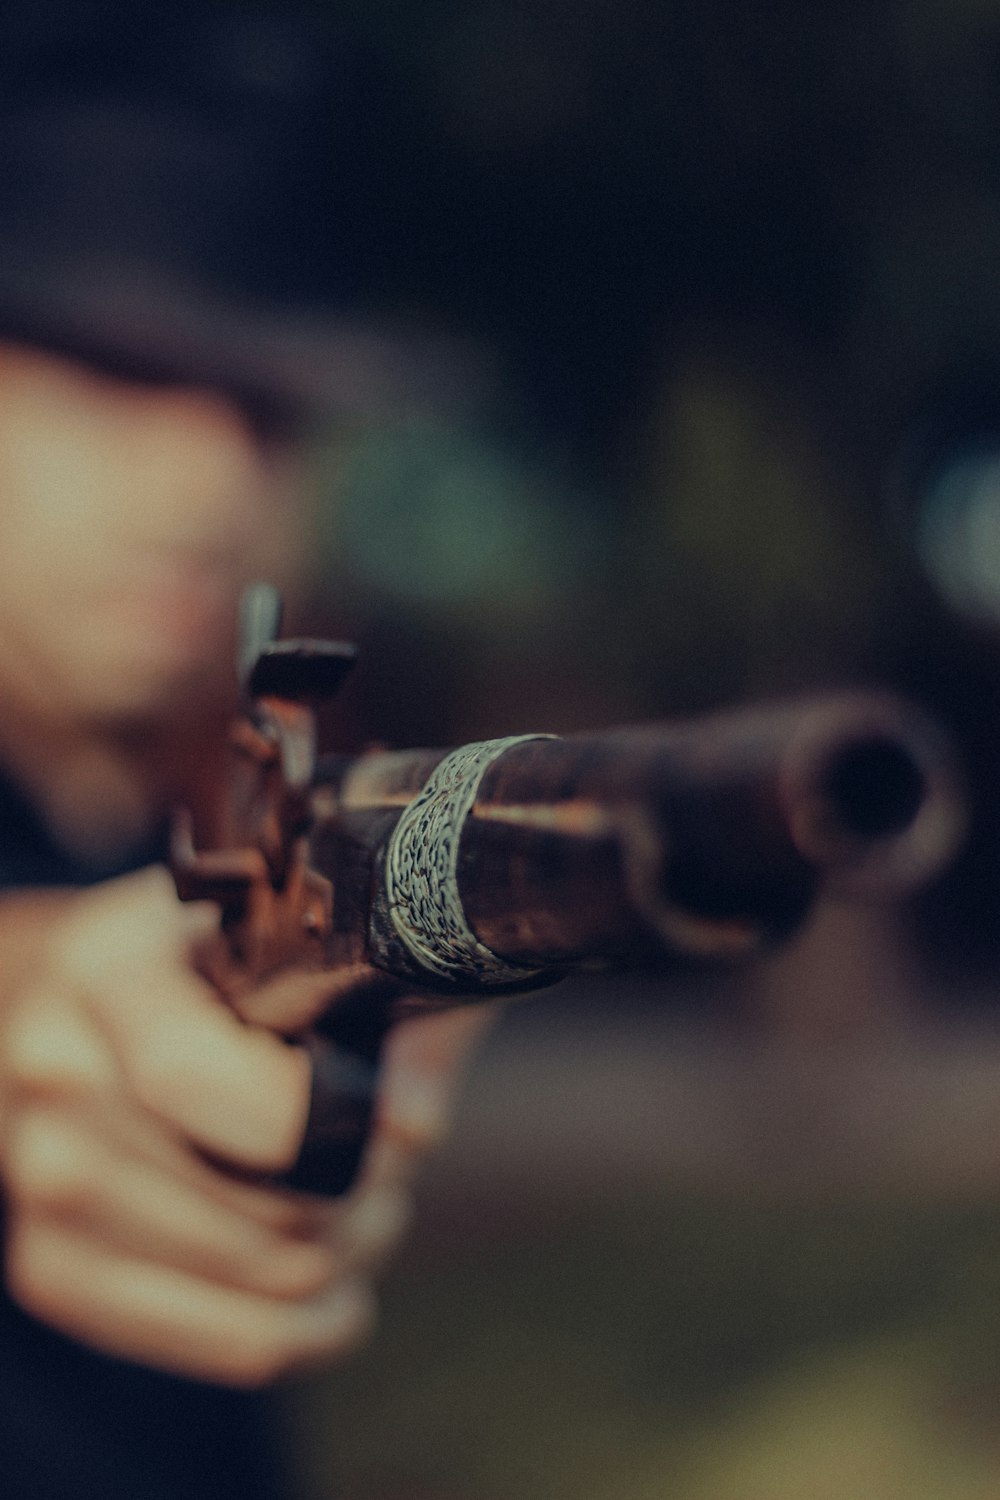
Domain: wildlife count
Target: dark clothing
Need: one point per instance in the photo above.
(74, 1424)
(79, 1426)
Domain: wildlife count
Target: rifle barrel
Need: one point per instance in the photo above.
(487, 866)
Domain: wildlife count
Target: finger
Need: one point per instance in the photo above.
(128, 1132)
(373, 1222)
(54, 1056)
(137, 1209)
(237, 1092)
(162, 1317)
(124, 924)
(52, 1050)
(423, 1068)
(292, 1002)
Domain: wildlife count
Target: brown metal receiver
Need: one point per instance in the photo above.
(357, 891)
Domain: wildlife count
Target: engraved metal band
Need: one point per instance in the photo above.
(421, 870)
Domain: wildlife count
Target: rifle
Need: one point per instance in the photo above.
(362, 890)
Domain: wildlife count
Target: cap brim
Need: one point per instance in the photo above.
(316, 361)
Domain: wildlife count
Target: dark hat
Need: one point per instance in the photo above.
(186, 191)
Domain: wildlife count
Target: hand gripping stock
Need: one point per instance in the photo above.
(356, 891)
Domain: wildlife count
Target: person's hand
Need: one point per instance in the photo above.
(138, 1121)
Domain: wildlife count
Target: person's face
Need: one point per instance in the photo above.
(131, 517)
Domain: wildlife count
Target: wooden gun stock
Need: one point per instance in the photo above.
(356, 891)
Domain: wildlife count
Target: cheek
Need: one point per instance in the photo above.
(41, 564)
(59, 513)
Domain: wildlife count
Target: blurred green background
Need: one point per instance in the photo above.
(724, 282)
(709, 262)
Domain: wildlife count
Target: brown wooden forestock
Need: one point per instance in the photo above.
(397, 882)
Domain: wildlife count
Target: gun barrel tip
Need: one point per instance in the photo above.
(881, 808)
(875, 787)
